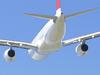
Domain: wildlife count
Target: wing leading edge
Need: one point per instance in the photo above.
(17, 44)
(81, 39)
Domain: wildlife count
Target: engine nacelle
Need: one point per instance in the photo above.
(82, 49)
(9, 55)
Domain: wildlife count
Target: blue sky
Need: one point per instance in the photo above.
(14, 25)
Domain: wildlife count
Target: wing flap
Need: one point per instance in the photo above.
(80, 39)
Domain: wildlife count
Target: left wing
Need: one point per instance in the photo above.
(81, 39)
(17, 44)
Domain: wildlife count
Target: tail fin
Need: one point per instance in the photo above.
(58, 8)
(57, 4)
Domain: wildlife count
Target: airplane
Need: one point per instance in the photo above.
(50, 38)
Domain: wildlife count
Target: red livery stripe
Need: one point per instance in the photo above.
(57, 4)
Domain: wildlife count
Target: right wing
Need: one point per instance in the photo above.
(81, 39)
(17, 44)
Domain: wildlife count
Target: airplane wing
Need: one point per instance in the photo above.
(81, 39)
(17, 44)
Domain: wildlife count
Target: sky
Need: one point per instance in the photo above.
(15, 25)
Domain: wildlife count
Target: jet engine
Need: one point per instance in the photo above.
(9, 55)
(82, 49)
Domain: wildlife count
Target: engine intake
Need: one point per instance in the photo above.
(9, 55)
(82, 49)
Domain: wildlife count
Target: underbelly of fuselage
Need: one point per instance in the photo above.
(53, 38)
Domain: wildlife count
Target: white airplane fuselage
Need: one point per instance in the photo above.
(53, 37)
(50, 37)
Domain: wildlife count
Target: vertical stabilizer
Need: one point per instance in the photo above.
(57, 4)
(58, 8)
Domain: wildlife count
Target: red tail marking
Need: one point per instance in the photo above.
(57, 4)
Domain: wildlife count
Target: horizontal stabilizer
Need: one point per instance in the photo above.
(79, 13)
(41, 16)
